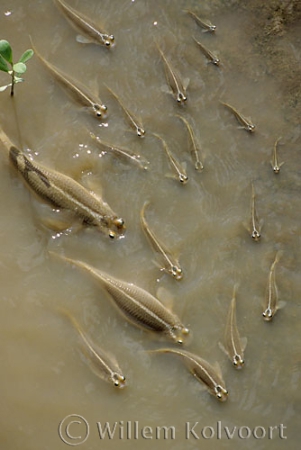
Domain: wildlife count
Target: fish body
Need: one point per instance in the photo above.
(271, 305)
(63, 192)
(90, 31)
(195, 150)
(234, 345)
(174, 80)
(138, 306)
(103, 365)
(180, 172)
(255, 233)
(274, 162)
(245, 123)
(134, 122)
(122, 153)
(202, 371)
(205, 24)
(171, 265)
(75, 89)
(209, 55)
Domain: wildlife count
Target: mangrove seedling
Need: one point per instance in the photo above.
(13, 69)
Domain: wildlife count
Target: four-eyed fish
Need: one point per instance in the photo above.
(171, 265)
(89, 31)
(178, 168)
(195, 147)
(255, 230)
(272, 304)
(138, 306)
(234, 345)
(75, 89)
(103, 364)
(205, 24)
(245, 123)
(202, 371)
(63, 192)
(274, 162)
(209, 55)
(174, 80)
(134, 122)
(121, 152)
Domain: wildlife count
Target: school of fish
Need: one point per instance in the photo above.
(135, 304)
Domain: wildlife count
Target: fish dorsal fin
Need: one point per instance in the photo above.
(165, 297)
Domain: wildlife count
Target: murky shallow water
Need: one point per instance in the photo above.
(44, 378)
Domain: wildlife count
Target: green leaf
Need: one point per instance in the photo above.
(19, 67)
(3, 66)
(26, 55)
(6, 51)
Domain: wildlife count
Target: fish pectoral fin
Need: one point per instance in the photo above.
(54, 219)
(83, 40)
(223, 349)
(166, 89)
(186, 82)
(243, 342)
(165, 297)
(281, 304)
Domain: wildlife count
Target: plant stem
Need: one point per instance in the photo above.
(13, 83)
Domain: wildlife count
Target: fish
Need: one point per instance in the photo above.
(102, 364)
(255, 233)
(75, 89)
(89, 31)
(205, 24)
(62, 192)
(138, 306)
(245, 123)
(171, 265)
(198, 165)
(122, 152)
(234, 344)
(174, 80)
(209, 55)
(202, 371)
(272, 304)
(134, 122)
(179, 170)
(274, 162)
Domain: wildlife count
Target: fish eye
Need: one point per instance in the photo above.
(185, 331)
(180, 341)
(111, 37)
(119, 222)
(103, 107)
(112, 235)
(107, 43)
(183, 178)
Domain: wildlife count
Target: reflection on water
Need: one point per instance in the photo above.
(44, 376)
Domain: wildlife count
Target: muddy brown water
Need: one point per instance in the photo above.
(45, 379)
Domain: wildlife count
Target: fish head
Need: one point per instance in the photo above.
(140, 132)
(183, 178)
(176, 272)
(250, 127)
(238, 362)
(276, 169)
(179, 333)
(220, 393)
(212, 28)
(216, 61)
(268, 315)
(118, 380)
(108, 40)
(198, 166)
(181, 97)
(256, 235)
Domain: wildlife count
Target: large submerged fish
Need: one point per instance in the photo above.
(255, 230)
(203, 23)
(75, 89)
(171, 265)
(180, 173)
(89, 31)
(63, 192)
(198, 165)
(209, 55)
(101, 363)
(137, 305)
(274, 162)
(245, 123)
(234, 344)
(202, 371)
